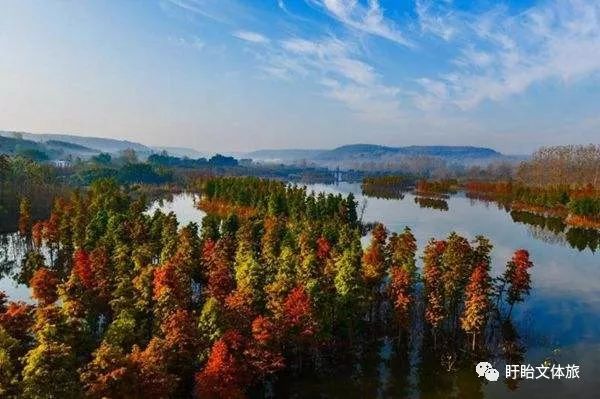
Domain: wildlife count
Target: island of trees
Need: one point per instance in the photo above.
(274, 282)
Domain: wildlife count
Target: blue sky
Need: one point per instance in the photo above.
(246, 74)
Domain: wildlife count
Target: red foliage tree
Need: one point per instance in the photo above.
(263, 330)
(110, 374)
(477, 302)
(239, 304)
(152, 378)
(37, 234)
(172, 286)
(224, 375)
(297, 314)
(82, 268)
(220, 280)
(401, 294)
(432, 276)
(518, 278)
(180, 341)
(17, 320)
(43, 285)
(100, 266)
(323, 249)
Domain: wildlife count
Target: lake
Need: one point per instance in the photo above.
(559, 321)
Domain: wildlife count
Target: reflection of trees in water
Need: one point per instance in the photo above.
(433, 203)
(383, 192)
(12, 249)
(540, 233)
(581, 238)
(553, 230)
(385, 364)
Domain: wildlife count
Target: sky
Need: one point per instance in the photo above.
(240, 75)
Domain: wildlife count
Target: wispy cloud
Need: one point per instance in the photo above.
(252, 37)
(336, 66)
(367, 18)
(192, 42)
(487, 55)
(199, 7)
(557, 41)
(435, 20)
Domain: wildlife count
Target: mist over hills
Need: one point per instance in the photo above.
(355, 154)
(98, 144)
(62, 146)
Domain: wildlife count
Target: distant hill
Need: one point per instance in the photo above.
(376, 151)
(362, 153)
(70, 146)
(96, 143)
(83, 146)
(14, 146)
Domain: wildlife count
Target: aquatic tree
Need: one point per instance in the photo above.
(25, 217)
(297, 317)
(250, 276)
(180, 345)
(271, 240)
(323, 249)
(518, 278)
(211, 325)
(101, 274)
(9, 365)
(401, 288)
(43, 286)
(284, 281)
(37, 234)
(82, 267)
(262, 352)
(109, 374)
(375, 264)
(477, 302)
(349, 287)
(17, 319)
(32, 261)
(224, 374)
(434, 290)
(456, 266)
(123, 332)
(403, 274)
(152, 379)
(50, 361)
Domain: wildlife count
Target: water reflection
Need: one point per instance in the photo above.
(554, 230)
(12, 251)
(550, 229)
(433, 203)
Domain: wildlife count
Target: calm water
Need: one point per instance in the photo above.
(560, 320)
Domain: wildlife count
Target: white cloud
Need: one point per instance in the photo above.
(252, 37)
(557, 41)
(367, 18)
(344, 77)
(199, 7)
(438, 22)
(193, 42)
